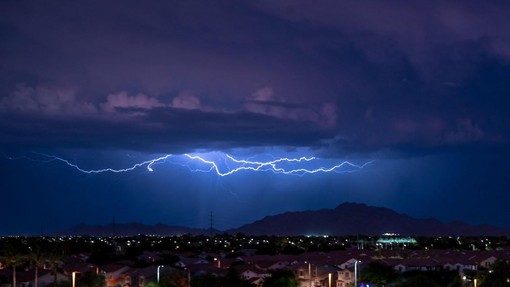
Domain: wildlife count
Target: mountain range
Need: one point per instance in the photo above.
(345, 219)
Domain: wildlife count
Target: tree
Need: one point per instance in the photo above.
(499, 277)
(14, 261)
(91, 279)
(174, 279)
(206, 280)
(234, 279)
(378, 274)
(418, 279)
(440, 278)
(281, 278)
(56, 258)
(471, 275)
(14, 257)
(36, 258)
(63, 283)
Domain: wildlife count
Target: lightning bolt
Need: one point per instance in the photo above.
(147, 163)
(277, 166)
(273, 165)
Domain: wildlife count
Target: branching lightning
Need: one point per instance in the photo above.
(231, 165)
(147, 163)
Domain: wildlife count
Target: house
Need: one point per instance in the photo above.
(207, 268)
(315, 275)
(257, 282)
(251, 273)
(326, 275)
(411, 264)
(488, 262)
(26, 278)
(271, 265)
(460, 267)
(80, 267)
(345, 277)
(492, 256)
(306, 274)
(140, 277)
(348, 263)
(148, 257)
(114, 274)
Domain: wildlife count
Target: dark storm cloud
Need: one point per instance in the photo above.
(420, 87)
(423, 76)
(163, 129)
(415, 28)
(359, 75)
(158, 48)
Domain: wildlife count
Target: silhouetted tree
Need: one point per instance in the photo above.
(441, 278)
(378, 274)
(91, 279)
(36, 257)
(174, 279)
(14, 256)
(234, 279)
(206, 280)
(63, 283)
(101, 254)
(281, 278)
(56, 258)
(417, 280)
(499, 277)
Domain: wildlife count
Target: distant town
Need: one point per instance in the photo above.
(258, 261)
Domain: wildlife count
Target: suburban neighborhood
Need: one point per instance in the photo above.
(204, 261)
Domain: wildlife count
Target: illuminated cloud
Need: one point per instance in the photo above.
(264, 102)
(186, 100)
(305, 71)
(123, 100)
(43, 100)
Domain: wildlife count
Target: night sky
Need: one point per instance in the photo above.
(419, 91)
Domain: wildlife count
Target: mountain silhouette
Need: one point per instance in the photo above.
(346, 219)
(355, 218)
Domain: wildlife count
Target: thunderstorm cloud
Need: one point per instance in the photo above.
(419, 87)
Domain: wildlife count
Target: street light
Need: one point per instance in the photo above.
(309, 273)
(189, 277)
(329, 279)
(74, 278)
(158, 272)
(219, 262)
(356, 272)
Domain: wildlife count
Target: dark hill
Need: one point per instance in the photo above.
(353, 218)
(346, 219)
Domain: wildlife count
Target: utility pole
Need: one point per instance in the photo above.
(359, 242)
(211, 224)
(113, 226)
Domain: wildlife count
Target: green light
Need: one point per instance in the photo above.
(397, 240)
